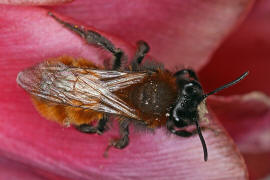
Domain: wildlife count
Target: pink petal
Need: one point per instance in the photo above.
(182, 33)
(14, 170)
(32, 36)
(246, 49)
(35, 2)
(247, 119)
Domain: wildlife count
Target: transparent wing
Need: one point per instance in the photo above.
(79, 87)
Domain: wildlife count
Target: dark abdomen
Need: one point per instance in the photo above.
(153, 99)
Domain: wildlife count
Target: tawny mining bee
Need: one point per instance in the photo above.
(81, 93)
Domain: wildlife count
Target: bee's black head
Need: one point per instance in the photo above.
(190, 95)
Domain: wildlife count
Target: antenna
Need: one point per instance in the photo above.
(227, 85)
(208, 94)
(202, 141)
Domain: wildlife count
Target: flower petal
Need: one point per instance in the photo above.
(178, 32)
(258, 165)
(247, 119)
(14, 170)
(33, 3)
(246, 49)
(33, 35)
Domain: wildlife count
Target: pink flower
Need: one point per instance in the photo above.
(180, 33)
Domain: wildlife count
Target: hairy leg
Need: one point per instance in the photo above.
(99, 129)
(142, 49)
(123, 141)
(184, 133)
(94, 38)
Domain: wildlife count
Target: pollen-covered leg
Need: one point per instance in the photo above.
(188, 72)
(99, 129)
(94, 38)
(142, 49)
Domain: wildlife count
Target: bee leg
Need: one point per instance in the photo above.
(190, 72)
(142, 49)
(86, 128)
(182, 133)
(123, 141)
(94, 38)
(99, 129)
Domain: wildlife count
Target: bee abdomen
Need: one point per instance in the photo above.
(152, 97)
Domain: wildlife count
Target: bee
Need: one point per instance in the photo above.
(80, 93)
